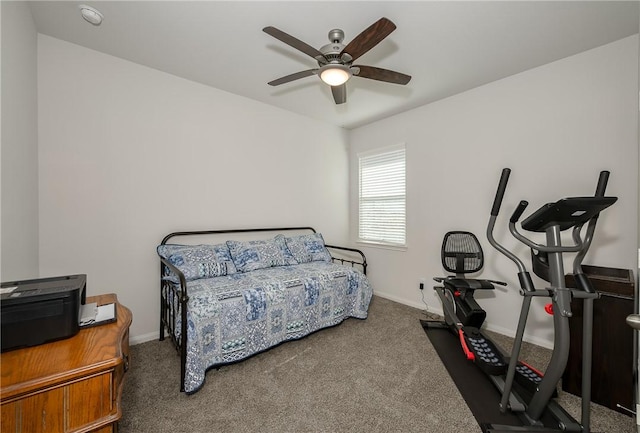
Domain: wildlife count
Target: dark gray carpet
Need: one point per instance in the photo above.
(378, 375)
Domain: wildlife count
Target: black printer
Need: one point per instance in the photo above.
(37, 311)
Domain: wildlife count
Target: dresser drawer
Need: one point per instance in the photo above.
(77, 406)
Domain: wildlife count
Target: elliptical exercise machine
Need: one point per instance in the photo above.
(524, 390)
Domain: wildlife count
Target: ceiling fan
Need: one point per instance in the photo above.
(335, 60)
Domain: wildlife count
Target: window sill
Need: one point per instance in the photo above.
(382, 246)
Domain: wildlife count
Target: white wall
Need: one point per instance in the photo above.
(110, 130)
(19, 148)
(129, 154)
(556, 127)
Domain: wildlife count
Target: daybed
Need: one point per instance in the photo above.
(223, 302)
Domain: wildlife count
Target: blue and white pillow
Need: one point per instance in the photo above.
(308, 248)
(259, 254)
(198, 261)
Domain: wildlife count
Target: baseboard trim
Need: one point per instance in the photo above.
(393, 298)
(500, 330)
(139, 339)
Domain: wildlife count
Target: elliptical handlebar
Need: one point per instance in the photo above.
(519, 210)
(603, 179)
(601, 187)
(495, 210)
(579, 245)
(502, 187)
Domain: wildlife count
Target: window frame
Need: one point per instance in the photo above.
(380, 242)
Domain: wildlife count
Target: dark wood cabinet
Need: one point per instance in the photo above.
(612, 372)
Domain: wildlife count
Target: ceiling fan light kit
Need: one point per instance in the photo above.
(335, 60)
(335, 75)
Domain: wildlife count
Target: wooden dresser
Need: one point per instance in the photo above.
(71, 385)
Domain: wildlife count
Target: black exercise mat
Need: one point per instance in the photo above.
(476, 388)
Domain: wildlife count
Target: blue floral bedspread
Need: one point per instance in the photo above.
(235, 316)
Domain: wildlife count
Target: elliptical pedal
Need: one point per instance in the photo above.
(485, 354)
(529, 378)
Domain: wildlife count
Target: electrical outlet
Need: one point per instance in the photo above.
(421, 283)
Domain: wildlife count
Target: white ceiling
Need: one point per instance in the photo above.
(447, 47)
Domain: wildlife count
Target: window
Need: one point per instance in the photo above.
(382, 197)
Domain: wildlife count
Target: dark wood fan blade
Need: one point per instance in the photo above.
(380, 74)
(339, 93)
(369, 38)
(295, 43)
(292, 77)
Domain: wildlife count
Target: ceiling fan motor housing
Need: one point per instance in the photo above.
(332, 52)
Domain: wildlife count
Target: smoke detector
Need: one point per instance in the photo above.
(91, 15)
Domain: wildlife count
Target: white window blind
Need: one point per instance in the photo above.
(382, 197)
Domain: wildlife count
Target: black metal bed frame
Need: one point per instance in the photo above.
(171, 294)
